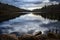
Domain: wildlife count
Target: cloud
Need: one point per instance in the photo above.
(55, 0)
(28, 4)
(24, 1)
(7, 1)
(33, 0)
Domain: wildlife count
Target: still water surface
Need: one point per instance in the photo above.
(28, 23)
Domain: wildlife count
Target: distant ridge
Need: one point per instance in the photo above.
(50, 12)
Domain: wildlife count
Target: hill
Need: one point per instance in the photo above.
(50, 11)
(8, 12)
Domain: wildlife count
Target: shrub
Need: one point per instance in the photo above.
(27, 37)
(7, 37)
(51, 35)
(42, 37)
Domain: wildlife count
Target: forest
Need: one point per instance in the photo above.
(50, 11)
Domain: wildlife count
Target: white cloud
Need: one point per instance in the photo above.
(33, 0)
(46, 1)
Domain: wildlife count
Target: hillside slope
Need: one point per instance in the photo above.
(9, 12)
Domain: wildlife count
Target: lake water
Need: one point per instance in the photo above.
(28, 23)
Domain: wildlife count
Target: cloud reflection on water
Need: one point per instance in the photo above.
(26, 23)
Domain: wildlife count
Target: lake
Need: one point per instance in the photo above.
(28, 24)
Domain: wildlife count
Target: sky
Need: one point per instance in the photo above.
(30, 4)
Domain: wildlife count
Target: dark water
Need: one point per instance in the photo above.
(28, 23)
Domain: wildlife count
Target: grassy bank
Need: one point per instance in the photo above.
(38, 36)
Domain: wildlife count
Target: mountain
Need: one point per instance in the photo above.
(8, 12)
(50, 11)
